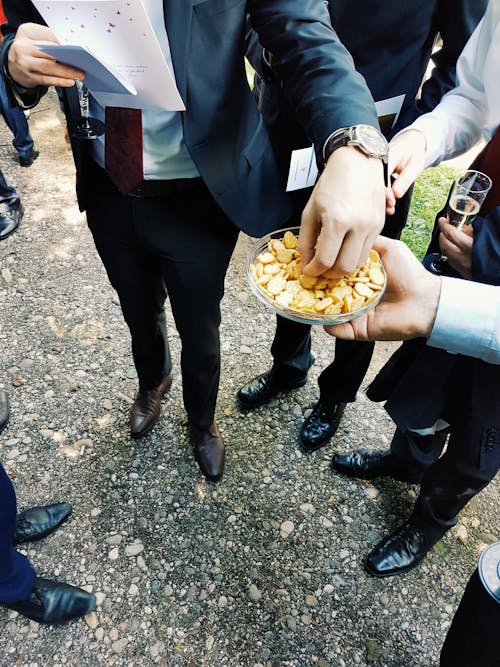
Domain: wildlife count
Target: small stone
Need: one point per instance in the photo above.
(119, 645)
(461, 533)
(134, 549)
(307, 508)
(209, 644)
(311, 601)
(133, 590)
(113, 554)
(371, 492)
(291, 623)
(91, 620)
(286, 529)
(253, 593)
(326, 523)
(7, 276)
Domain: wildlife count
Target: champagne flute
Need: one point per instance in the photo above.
(86, 127)
(466, 198)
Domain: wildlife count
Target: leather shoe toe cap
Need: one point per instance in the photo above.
(209, 451)
(36, 523)
(399, 552)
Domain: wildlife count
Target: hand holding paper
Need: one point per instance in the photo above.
(119, 35)
(30, 67)
(99, 77)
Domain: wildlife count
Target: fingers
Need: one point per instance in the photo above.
(390, 201)
(462, 238)
(326, 253)
(30, 67)
(406, 160)
(344, 331)
(308, 235)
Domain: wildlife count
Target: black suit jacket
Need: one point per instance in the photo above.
(421, 384)
(391, 45)
(223, 129)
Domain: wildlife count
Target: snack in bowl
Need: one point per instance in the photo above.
(275, 274)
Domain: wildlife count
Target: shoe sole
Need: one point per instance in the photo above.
(254, 406)
(403, 570)
(406, 480)
(314, 448)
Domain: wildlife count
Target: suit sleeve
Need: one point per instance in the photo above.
(18, 12)
(317, 72)
(455, 21)
(486, 249)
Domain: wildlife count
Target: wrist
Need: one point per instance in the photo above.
(365, 139)
(430, 291)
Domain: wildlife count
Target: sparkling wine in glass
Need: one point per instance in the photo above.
(467, 195)
(86, 127)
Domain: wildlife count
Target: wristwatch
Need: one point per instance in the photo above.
(366, 138)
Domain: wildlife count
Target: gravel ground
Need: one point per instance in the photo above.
(262, 569)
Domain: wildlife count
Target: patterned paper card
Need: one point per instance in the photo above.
(120, 33)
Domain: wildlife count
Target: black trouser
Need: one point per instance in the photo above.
(472, 640)
(291, 348)
(449, 481)
(17, 577)
(179, 244)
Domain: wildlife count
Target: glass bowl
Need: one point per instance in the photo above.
(260, 246)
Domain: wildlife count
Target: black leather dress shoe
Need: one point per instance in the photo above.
(321, 425)
(265, 387)
(369, 465)
(145, 411)
(28, 159)
(4, 410)
(209, 451)
(10, 217)
(36, 523)
(54, 603)
(400, 552)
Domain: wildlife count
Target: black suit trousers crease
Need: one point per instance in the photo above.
(180, 246)
(291, 349)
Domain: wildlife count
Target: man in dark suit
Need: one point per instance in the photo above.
(214, 172)
(391, 44)
(41, 600)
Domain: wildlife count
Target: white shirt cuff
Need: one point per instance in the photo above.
(467, 321)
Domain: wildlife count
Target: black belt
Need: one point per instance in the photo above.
(165, 188)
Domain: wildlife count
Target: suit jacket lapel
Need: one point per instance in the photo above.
(178, 15)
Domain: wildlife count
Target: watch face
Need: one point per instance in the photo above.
(372, 140)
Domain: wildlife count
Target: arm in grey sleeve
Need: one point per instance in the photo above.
(468, 320)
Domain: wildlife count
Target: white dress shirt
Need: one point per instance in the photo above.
(472, 109)
(468, 319)
(165, 155)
